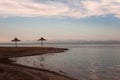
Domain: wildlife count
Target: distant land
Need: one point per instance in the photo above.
(65, 42)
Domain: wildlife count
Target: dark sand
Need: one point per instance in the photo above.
(8, 52)
(9, 71)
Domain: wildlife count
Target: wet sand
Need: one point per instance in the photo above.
(9, 71)
(8, 52)
(18, 72)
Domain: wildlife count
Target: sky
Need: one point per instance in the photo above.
(59, 19)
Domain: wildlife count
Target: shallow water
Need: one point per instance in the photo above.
(83, 62)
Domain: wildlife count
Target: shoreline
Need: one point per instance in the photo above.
(30, 72)
(8, 70)
(10, 52)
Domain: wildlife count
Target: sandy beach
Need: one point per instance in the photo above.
(8, 52)
(10, 71)
(17, 72)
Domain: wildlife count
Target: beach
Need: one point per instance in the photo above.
(8, 52)
(10, 71)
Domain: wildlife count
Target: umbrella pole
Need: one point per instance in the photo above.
(41, 43)
(15, 44)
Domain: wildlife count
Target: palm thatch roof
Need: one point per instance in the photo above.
(41, 39)
(16, 39)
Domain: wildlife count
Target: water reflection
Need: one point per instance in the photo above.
(86, 63)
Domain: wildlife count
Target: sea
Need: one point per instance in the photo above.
(81, 61)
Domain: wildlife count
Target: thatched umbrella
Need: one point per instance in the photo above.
(16, 40)
(41, 39)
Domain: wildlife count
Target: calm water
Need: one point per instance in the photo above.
(83, 62)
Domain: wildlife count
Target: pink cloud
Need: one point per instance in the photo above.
(75, 9)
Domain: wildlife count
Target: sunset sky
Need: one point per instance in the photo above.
(60, 19)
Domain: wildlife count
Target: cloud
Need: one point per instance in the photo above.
(30, 8)
(59, 8)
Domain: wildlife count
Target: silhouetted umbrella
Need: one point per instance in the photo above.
(16, 40)
(41, 39)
